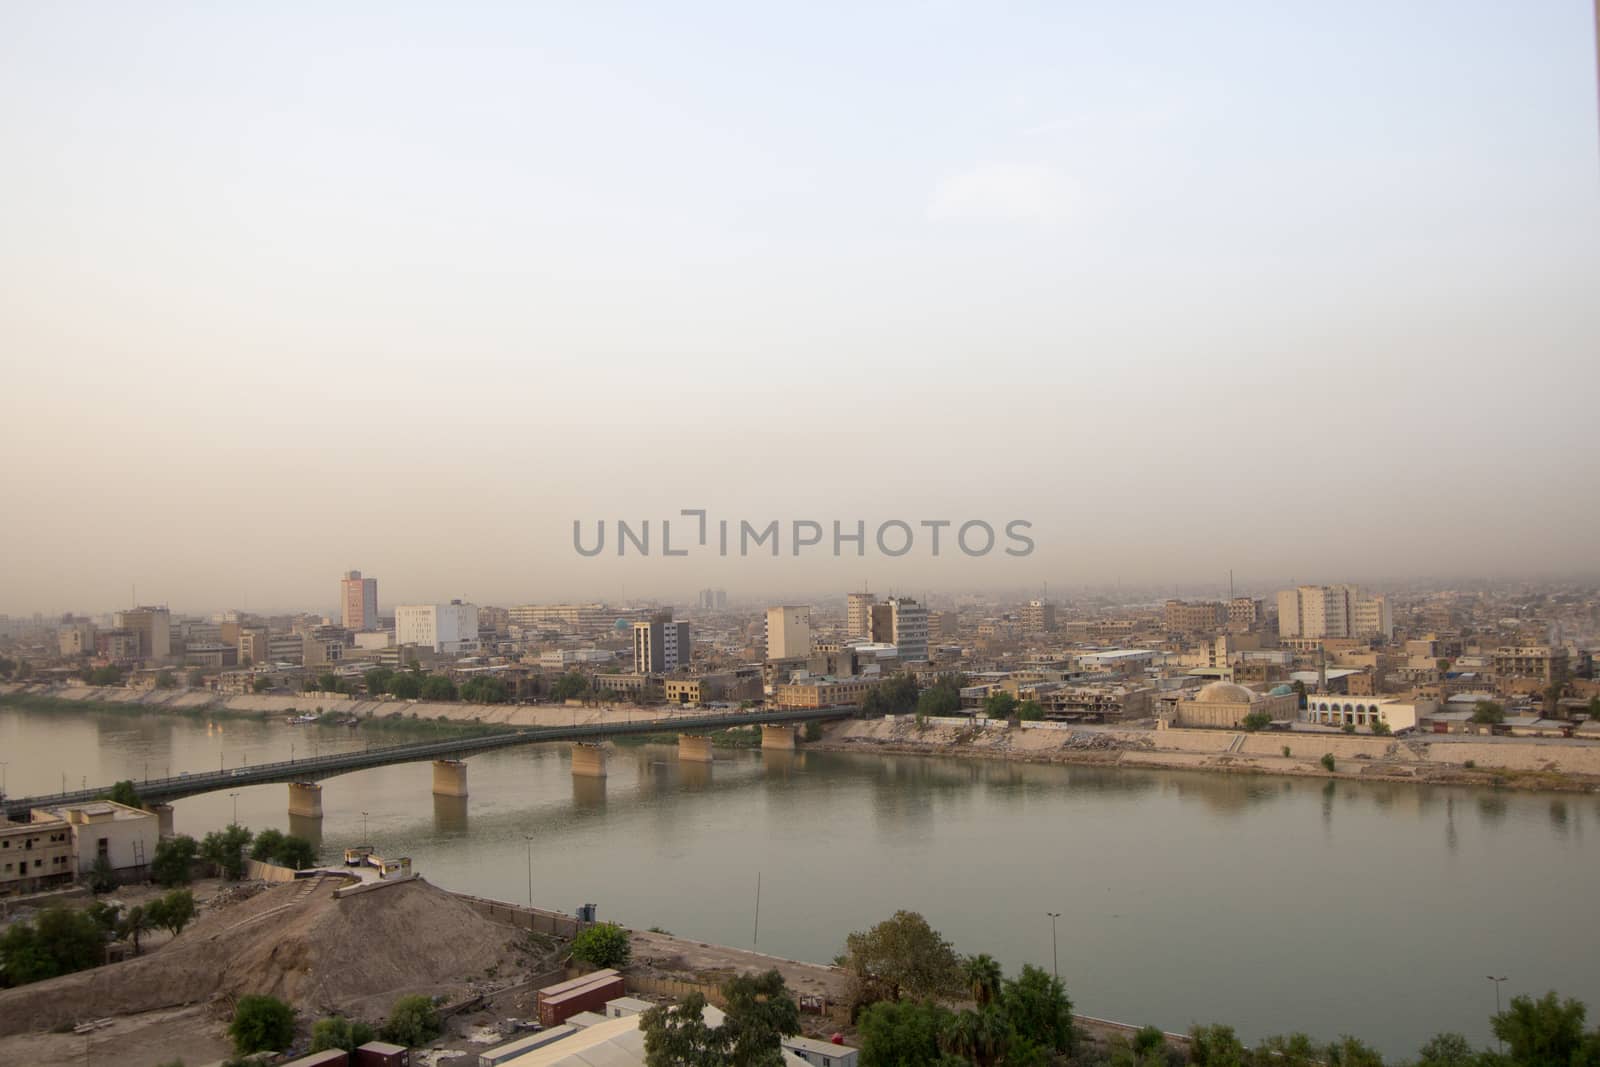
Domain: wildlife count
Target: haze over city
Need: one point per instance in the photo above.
(1304, 291)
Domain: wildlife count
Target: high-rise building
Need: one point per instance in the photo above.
(789, 631)
(358, 602)
(1194, 616)
(660, 645)
(713, 600)
(448, 628)
(1039, 617)
(858, 614)
(1245, 612)
(908, 629)
(152, 626)
(1319, 611)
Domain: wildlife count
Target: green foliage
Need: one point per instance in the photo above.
(569, 686)
(943, 697)
(134, 925)
(1036, 1004)
(286, 850)
(1030, 711)
(982, 1037)
(105, 917)
(983, 977)
(104, 676)
(58, 941)
(1488, 712)
(1348, 728)
(902, 1034)
(102, 878)
(261, 1024)
(1351, 1052)
(759, 1013)
(904, 954)
(329, 682)
(484, 689)
(1381, 728)
(194, 679)
(412, 1021)
(172, 911)
(266, 845)
(337, 1032)
(1257, 720)
(438, 687)
(377, 681)
(165, 680)
(406, 685)
(813, 731)
(603, 945)
(1327, 761)
(999, 705)
(896, 696)
(173, 862)
(1446, 1050)
(260, 684)
(1215, 1046)
(224, 849)
(1547, 1032)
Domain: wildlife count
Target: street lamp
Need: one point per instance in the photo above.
(365, 840)
(1497, 982)
(529, 839)
(235, 797)
(1055, 962)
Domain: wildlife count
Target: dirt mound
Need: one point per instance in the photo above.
(294, 941)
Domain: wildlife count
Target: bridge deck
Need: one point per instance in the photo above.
(162, 790)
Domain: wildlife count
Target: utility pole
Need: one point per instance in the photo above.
(1502, 978)
(1055, 959)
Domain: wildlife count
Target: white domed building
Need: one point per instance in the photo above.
(1224, 705)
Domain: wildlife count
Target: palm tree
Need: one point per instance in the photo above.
(980, 1036)
(983, 978)
(134, 925)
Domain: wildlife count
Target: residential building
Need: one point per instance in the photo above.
(76, 638)
(35, 855)
(902, 622)
(789, 632)
(450, 628)
(1039, 617)
(118, 646)
(1246, 613)
(1324, 611)
(1194, 616)
(284, 648)
(822, 692)
(125, 836)
(153, 627)
(358, 602)
(660, 645)
(712, 600)
(1543, 662)
(858, 614)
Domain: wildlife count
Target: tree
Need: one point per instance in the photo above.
(377, 680)
(1381, 728)
(1215, 1046)
(1594, 707)
(1351, 1052)
(173, 861)
(569, 686)
(940, 698)
(406, 686)
(58, 941)
(123, 792)
(296, 853)
(165, 680)
(1295, 1050)
(603, 945)
(1147, 1048)
(438, 687)
(677, 1035)
(224, 849)
(896, 696)
(195, 678)
(1036, 1004)
(1029, 711)
(266, 845)
(1257, 720)
(759, 1014)
(412, 1021)
(484, 689)
(102, 878)
(172, 911)
(1488, 711)
(1328, 764)
(902, 1034)
(337, 1032)
(134, 925)
(105, 916)
(261, 1023)
(1446, 1050)
(1299, 688)
(261, 683)
(904, 955)
(983, 978)
(999, 704)
(981, 1036)
(104, 676)
(1541, 1033)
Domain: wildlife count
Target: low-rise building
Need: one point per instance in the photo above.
(822, 692)
(125, 836)
(35, 855)
(1226, 705)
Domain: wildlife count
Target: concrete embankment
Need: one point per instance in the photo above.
(1532, 764)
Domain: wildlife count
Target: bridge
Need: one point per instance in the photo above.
(450, 776)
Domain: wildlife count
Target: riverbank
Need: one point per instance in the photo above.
(1567, 766)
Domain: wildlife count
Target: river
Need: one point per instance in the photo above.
(1272, 904)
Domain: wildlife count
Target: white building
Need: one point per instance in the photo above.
(125, 836)
(789, 632)
(1314, 611)
(1338, 709)
(448, 628)
(909, 629)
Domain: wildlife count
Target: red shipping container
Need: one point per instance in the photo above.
(557, 1008)
(382, 1054)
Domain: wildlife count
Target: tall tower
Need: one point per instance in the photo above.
(358, 602)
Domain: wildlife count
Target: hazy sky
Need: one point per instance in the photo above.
(1295, 288)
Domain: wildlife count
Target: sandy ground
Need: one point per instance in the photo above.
(1523, 763)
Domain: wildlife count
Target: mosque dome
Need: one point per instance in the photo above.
(1226, 693)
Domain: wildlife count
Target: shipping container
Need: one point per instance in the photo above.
(382, 1054)
(333, 1057)
(578, 982)
(557, 1008)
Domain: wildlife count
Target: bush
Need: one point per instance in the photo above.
(58, 941)
(337, 1032)
(813, 731)
(261, 1024)
(412, 1021)
(1327, 761)
(1286, 751)
(603, 945)
(1257, 720)
(174, 859)
(102, 879)
(1349, 727)
(1381, 728)
(173, 911)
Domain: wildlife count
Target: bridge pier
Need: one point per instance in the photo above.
(449, 778)
(164, 824)
(695, 748)
(778, 736)
(588, 761)
(305, 800)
